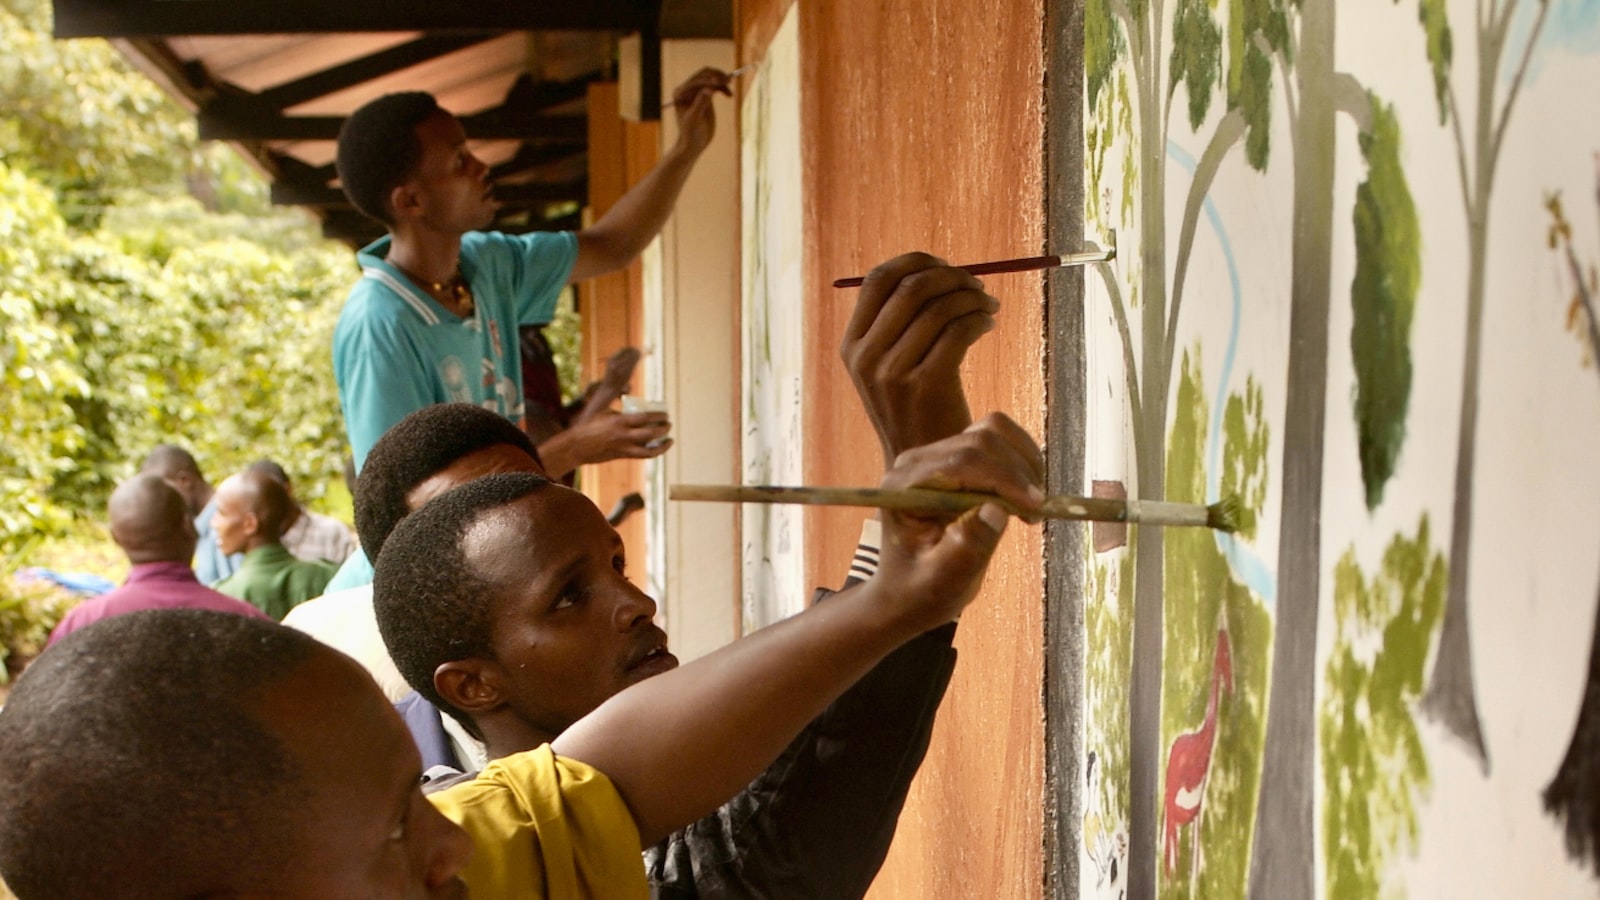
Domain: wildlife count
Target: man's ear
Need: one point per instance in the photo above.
(251, 523)
(470, 685)
(403, 200)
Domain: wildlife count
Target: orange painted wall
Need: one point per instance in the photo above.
(923, 129)
(611, 306)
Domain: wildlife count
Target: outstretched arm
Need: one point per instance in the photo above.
(679, 744)
(634, 221)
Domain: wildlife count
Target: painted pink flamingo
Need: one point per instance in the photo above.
(1189, 760)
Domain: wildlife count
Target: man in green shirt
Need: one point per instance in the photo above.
(252, 511)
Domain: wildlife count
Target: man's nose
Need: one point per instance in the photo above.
(633, 608)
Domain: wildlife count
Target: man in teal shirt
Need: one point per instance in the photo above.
(252, 510)
(435, 316)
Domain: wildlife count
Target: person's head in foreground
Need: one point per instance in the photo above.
(510, 609)
(189, 753)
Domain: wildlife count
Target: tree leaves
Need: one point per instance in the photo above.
(1435, 20)
(1196, 56)
(1256, 30)
(1383, 299)
(132, 314)
(1373, 764)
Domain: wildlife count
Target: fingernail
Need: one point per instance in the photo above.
(1036, 493)
(993, 516)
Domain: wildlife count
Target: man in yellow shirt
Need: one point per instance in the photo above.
(259, 761)
(836, 793)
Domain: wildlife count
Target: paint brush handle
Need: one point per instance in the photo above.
(1024, 264)
(1061, 506)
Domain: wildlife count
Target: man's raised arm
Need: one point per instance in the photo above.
(679, 744)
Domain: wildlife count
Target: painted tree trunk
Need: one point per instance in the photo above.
(1282, 862)
(1451, 698)
(1573, 795)
(1144, 689)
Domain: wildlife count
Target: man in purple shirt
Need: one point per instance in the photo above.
(151, 523)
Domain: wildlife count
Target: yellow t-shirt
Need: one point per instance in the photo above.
(545, 826)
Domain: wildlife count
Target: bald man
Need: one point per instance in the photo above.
(150, 521)
(252, 512)
(177, 467)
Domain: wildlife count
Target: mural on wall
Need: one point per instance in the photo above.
(1314, 218)
(771, 291)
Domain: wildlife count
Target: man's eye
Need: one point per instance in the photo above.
(620, 564)
(569, 597)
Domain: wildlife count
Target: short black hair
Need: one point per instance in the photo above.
(414, 450)
(135, 765)
(432, 608)
(378, 149)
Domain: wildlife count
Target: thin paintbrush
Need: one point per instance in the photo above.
(1222, 515)
(1025, 264)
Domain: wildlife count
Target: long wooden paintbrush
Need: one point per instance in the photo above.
(1025, 264)
(1223, 515)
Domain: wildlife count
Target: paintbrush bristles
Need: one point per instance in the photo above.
(1224, 515)
(1221, 516)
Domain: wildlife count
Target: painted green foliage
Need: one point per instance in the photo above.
(1383, 299)
(1201, 597)
(1196, 56)
(1103, 46)
(1111, 109)
(1373, 763)
(1244, 460)
(1256, 30)
(1108, 629)
(1436, 24)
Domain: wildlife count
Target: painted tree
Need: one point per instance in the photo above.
(1573, 795)
(1452, 698)
(1135, 29)
(1387, 250)
(1259, 38)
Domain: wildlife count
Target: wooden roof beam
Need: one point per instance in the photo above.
(164, 18)
(288, 193)
(244, 119)
(368, 68)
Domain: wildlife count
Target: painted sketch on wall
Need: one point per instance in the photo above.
(1353, 239)
(770, 282)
